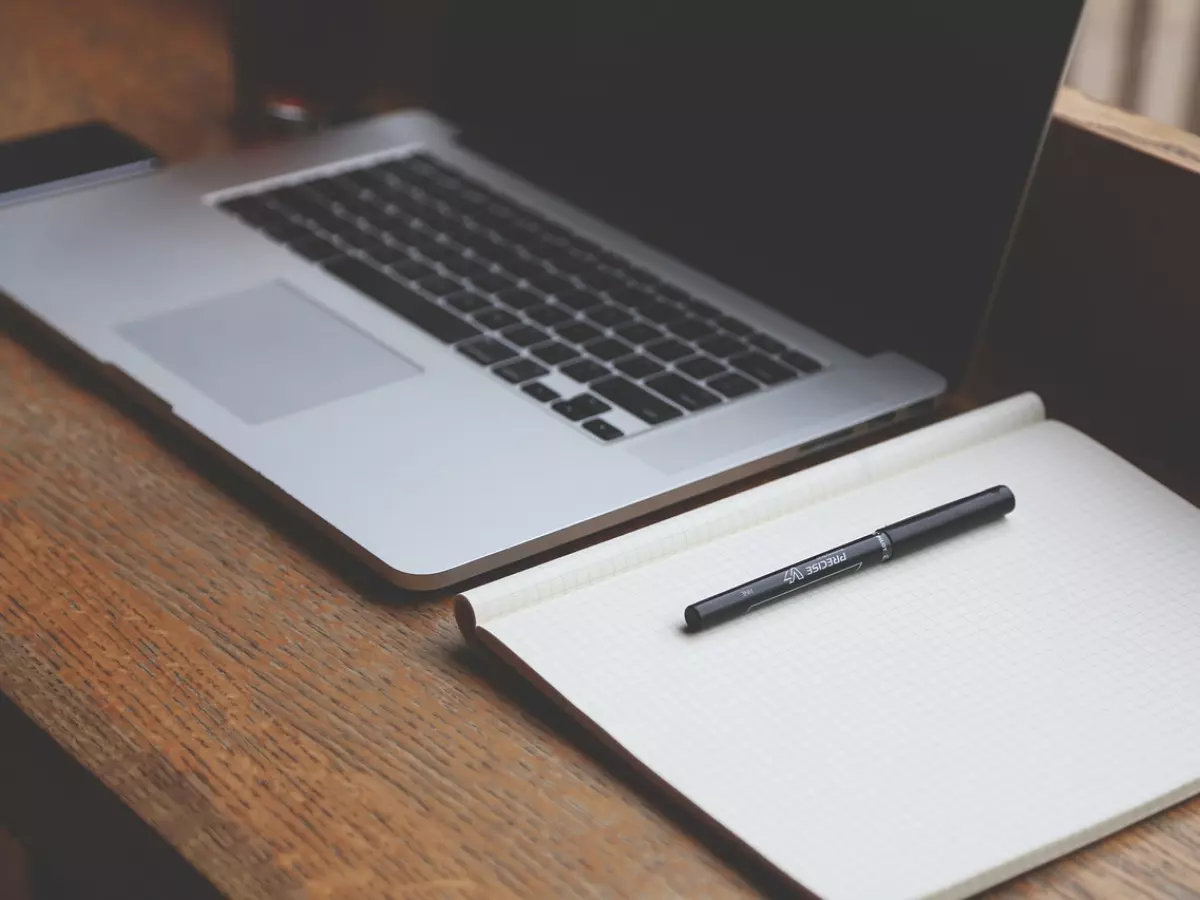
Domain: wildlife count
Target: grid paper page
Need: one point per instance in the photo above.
(748, 508)
(932, 726)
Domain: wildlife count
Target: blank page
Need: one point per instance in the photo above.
(929, 727)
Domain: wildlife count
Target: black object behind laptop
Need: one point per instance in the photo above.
(856, 163)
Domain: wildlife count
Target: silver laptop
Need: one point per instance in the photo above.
(625, 253)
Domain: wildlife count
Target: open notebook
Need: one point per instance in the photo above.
(927, 728)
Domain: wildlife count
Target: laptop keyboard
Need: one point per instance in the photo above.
(607, 345)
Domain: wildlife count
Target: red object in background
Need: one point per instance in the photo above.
(304, 64)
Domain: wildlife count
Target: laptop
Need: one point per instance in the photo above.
(627, 252)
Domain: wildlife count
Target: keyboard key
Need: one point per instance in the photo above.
(733, 385)
(603, 430)
(524, 335)
(679, 390)
(495, 319)
(439, 285)
(284, 230)
(609, 316)
(608, 349)
(548, 315)
(577, 332)
(519, 370)
(356, 183)
(551, 284)
(412, 244)
(762, 368)
(638, 366)
(429, 317)
(411, 270)
(523, 268)
(491, 283)
(487, 351)
(477, 251)
(721, 346)
(601, 281)
(691, 329)
(568, 261)
(579, 299)
(465, 267)
(700, 367)
(554, 353)
(541, 392)
(635, 400)
(360, 246)
(315, 248)
(356, 212)
(437, 222)
(660, 312)
(468, 302)
(494, 253)
(638, 333)
(582, 407)
(669, 350)
(766, 343)
(385, 254)
(629, 296)
(798, 360)
(381, 221)
(585, 370)
(519, 298)
(397, 216)
(437, 252)
(301, 201)
(329, 221)
(633, 298)
(734, 326)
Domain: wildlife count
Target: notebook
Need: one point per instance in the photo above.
(924, 729)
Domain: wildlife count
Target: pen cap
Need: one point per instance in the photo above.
(946, 521)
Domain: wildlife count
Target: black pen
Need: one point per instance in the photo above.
(913, 533)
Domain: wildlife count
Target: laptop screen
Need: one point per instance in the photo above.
(856, 164)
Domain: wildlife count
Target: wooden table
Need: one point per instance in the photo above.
(201, 696)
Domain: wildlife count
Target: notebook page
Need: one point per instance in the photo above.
(930, 727)
(760, 504)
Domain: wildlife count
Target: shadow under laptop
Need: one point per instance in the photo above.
(275, 509)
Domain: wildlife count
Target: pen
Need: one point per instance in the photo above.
(911, 534)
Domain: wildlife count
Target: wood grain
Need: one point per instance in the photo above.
(292, 726)
(157, 68)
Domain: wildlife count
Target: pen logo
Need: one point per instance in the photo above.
(747, 592)
(885, 544)
(826, 563)
(792, 575)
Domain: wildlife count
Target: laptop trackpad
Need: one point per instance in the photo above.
(266, 352)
